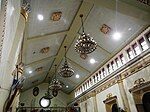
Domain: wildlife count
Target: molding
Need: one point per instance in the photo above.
(111, 99)
(139, 87)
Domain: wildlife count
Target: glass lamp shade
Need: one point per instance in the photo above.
(45, 102)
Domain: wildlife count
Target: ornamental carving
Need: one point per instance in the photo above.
(44, 50)
(146, 2)
(139, 81)
(109, 96)
(56, 16)
(105, 29)
(39, 69)
(35, 91)
(110, 99)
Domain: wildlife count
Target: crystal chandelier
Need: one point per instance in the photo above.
(66, 71)
(55, 85)
(85, 44)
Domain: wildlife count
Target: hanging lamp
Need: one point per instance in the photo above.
(85, 44)
(66, 71)
(55, 85)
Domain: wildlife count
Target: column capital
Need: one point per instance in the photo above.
(25, 8)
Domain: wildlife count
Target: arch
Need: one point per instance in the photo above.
(146, 102)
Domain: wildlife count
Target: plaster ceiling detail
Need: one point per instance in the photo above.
(56, 16)
(44, 50)
(105, 29)
(47, 8)
(45, 41)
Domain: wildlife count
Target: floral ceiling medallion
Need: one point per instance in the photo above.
(105, 29)
(56, 16)
(39, 69)
(44, 50)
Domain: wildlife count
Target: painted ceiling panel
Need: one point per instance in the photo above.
(35, 66)
(124, 24)
(34, 47)
(99, 55)
(46, 8)
(32, 81)
(47, 33)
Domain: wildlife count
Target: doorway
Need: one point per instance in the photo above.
(114, 108)
(146, 102)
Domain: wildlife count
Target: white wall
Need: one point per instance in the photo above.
(89, 104)
(129, 83)
(7, 64)
(27, 97)
(102, 96)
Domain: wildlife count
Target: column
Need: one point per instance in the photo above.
(11, 49)
(123, 95)
(94, 101)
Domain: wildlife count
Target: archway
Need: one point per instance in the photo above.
(114, 108)
(146, 102)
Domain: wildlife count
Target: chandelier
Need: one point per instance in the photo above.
(66, 71)
(85, 44)
(55, 85)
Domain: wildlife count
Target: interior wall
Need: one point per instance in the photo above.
(29, 99)
(88, 105)
(129, 83)
(7, 64)
(114, 90)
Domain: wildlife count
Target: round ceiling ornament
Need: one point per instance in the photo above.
(35, 91)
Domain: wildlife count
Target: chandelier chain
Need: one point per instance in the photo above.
(81, 16)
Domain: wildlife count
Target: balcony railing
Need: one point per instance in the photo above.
(50, 109)
(122, 59)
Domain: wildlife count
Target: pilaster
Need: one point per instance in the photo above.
(123, 94)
